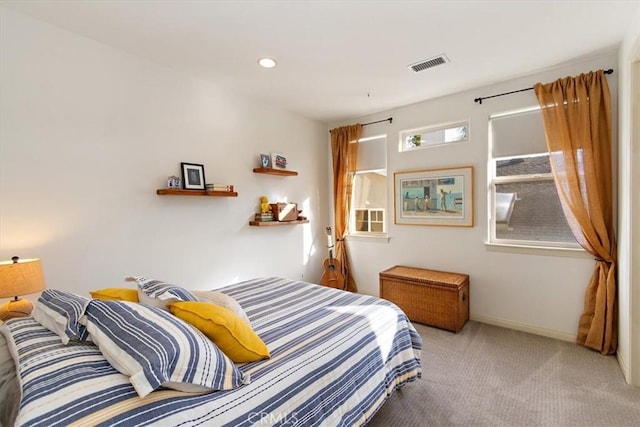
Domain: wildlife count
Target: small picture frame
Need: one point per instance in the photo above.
(192, 176)
(265, 161)
(278, 161)
(174, 182)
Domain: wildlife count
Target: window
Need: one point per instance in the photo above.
(369, 220)
(434, 135)
(525, 208)
(369, 206)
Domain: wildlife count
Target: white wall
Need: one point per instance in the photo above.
(537, 293)
(88, 133)
(629, 204)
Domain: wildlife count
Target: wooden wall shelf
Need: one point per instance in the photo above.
(180, 192)
(270, 171)
(275, 223)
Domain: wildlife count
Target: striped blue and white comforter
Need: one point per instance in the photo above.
(335, 358)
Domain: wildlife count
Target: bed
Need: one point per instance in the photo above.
(335, 358)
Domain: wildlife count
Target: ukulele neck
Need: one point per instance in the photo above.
(330, 245)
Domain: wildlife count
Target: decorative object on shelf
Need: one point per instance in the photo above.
(284, 211)
(19, 277)
(219, 187)
(174, 182)
(192, 176)
(264, 204)
(265, 161)
(435, 197)
(278, 161)
(265, 213)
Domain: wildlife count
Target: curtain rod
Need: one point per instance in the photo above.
(479, 100)
(390, 120)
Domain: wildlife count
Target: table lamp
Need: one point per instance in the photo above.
(19, 277)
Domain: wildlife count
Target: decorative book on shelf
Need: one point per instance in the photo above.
(267, 216)
(219, 187)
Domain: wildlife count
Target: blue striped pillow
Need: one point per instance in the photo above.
(60, 312)
(160, 294)
(154, 348)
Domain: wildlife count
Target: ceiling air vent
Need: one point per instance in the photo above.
(429, 63)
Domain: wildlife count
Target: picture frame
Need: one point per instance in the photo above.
(265, 161)
(174, 182)
(278, 161)
(192, 176)
(441, 197)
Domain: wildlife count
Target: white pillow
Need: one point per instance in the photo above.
(223, 300)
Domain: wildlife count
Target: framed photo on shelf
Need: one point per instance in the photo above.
(265, 161)
(434, 197)
(192, 176)
(174, 182)
(278, 161)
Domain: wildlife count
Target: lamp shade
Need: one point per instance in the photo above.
(20, 278)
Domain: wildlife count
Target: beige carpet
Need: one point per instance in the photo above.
(491, 376)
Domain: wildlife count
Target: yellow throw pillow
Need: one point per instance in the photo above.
(228, 331)
(115, 294)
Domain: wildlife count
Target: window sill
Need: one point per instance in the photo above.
(374, 238)
(538, 250)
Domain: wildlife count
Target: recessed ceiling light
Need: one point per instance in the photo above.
(267, 62)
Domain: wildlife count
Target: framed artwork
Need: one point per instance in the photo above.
(278, 161)
(192, 176)
(265, 161)
(434, 197)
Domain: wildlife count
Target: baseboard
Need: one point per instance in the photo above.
(624, 368)
(545, 332)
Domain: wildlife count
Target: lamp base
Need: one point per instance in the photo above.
(15, 308)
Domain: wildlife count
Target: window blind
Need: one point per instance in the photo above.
(518, 133)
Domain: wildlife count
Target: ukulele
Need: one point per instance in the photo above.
(332, 275)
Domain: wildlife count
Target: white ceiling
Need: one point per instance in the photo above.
(344, 59)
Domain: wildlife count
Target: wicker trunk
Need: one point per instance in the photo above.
(435, 298)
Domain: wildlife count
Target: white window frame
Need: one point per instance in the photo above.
(519, 245)
(402, 146)
(370, 221)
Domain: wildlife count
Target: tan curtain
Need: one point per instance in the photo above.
(576, 112)
(344, 149)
